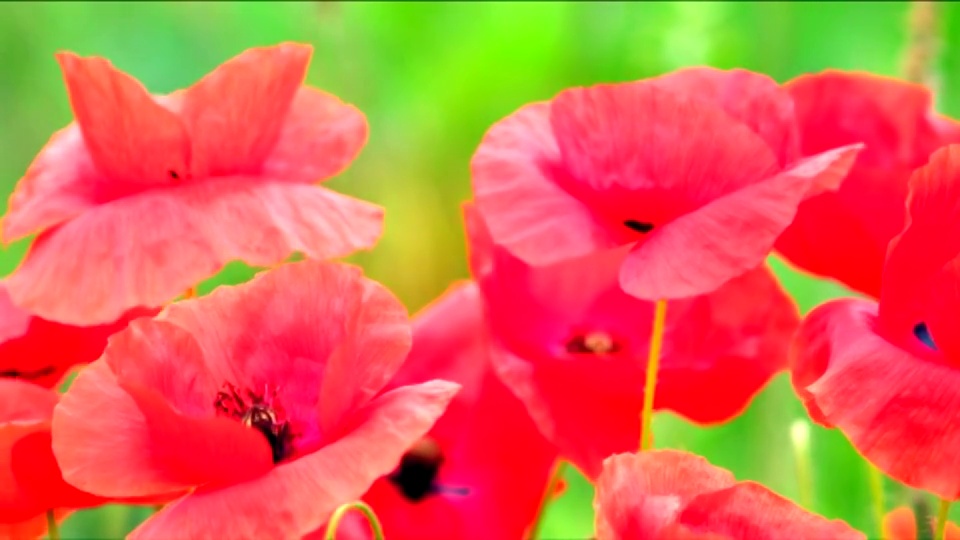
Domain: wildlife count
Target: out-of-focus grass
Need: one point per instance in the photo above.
(431, 78)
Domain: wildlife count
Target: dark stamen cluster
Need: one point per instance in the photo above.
(593, 343)
(417, 473)
(256, 411)
(28, 375)
(641, 227)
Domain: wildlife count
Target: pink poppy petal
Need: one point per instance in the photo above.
(21, 401)
(640, 494)
(298, 497)
(36, 470)
(135, 142)
(632, 140)
(897, 408)
(751, 98)
(585, 431)
(16, 503)
(376, 343)
(750, 511)
(288, 303)
(319, 138)
(700, 251)
(893, 118)
(366, 337)
(59, 184)
(43, 351)
(98, 427)
(148, 249)
(527, 212)
(198, 451)
(13, 320)
(236, 113)
(919, 267)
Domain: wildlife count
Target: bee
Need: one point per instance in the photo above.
(263, 419)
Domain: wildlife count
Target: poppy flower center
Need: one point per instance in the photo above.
(923, 334)
(417, 473)
(28, 375)
(593, 343)
(641, 227)
(258, 411)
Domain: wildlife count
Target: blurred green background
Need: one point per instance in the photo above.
(431, 78)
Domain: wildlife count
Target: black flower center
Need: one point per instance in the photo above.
(598, 343)
(28, 375)
(417, 473)
(641, 227)
(923, 334)
(255, 411)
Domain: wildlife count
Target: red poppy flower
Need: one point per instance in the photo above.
(844, 234)
(30, 480)
(887, 374)
(699, 171)
(901, 524)
(258, 398)
(667, 495)
(568, 330)
(145, 196)
(42, 351)
(481, 471)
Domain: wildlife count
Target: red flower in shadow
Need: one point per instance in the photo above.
(41, 351)
(671, 495)
(261, 400)
(699, 171)
(145, 196)
(844, 234)
(572, 345)
(481, 471)
(30, 480)
(888, 374)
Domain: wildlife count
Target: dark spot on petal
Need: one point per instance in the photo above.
(641, 227)
(173, 174)
(255, 411)
(28, 375)
(593, 343)
(417, 473)
(923, 334)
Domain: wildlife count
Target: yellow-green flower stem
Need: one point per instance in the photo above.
(653, 365)
(876, 496)
(941, 533)
(53, 531)
(361, 507)
(800, 441)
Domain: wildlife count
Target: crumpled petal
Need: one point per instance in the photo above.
(719, 349)
(753, 99)
(516, 191)
(236, 113)
(922, 270)
(668, 494)
(135, 142)
(302, 494)
(319, 138)
(487, 486)
(701, 250)
(897, 406)
(844, 235)
(146, 250)
(639, 494)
